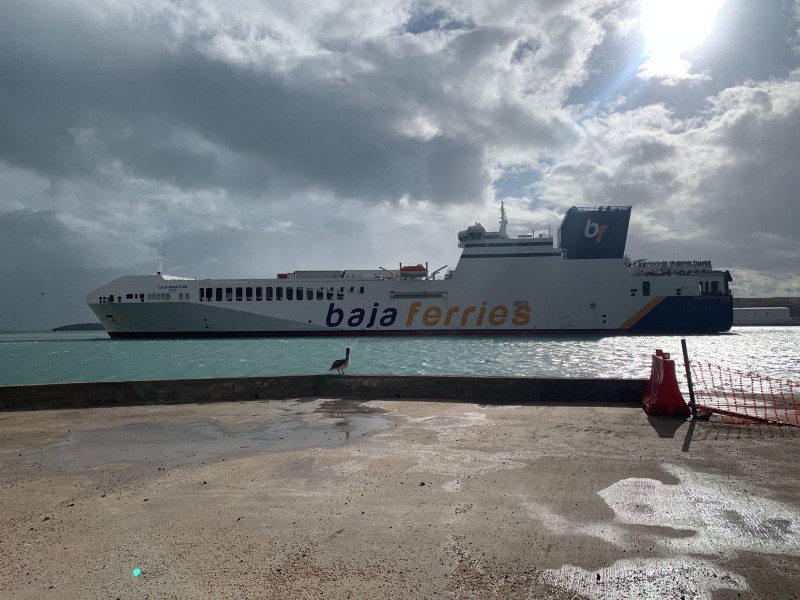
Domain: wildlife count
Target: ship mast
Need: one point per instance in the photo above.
(503, 220)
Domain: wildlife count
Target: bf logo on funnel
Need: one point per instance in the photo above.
(594, 230)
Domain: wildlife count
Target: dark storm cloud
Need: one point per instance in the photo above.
(46, 272)
(756, 191)
(87, 96)
(66, 122)
(45, 297)
(447, 157)
(29, 238)
(292, 130)
(58, 75)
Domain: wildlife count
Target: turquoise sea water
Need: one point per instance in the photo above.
(28, 358)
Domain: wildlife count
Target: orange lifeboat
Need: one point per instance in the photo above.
(414, 271)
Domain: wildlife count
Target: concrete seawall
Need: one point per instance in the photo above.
(485, 390)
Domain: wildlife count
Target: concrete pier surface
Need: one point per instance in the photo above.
(333, 499)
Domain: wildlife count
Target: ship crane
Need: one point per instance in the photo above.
(433, 275)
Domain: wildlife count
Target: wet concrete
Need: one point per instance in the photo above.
(196, 442)
(323, 498)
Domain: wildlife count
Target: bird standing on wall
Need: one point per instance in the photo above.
(341, 364)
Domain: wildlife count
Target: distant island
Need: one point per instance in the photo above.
(80, 327)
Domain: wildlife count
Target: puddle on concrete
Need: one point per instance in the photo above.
(196, 442)
(341, 407)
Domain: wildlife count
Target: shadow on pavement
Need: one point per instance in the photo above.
(666, 426)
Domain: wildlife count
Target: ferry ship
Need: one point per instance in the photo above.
(578, 282)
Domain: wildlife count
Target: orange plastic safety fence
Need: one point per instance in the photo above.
(746, 394)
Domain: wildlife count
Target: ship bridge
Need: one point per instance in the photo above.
(479, 243)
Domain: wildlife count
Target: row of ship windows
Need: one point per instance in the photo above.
(141, 297)
(277, 293)
(247, 294)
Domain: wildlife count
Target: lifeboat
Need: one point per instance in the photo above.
(414, 271)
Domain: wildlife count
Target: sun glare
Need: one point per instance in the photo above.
(671, 27)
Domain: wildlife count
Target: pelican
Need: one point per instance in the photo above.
(341, 364)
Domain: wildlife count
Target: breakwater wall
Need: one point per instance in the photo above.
(482, 390)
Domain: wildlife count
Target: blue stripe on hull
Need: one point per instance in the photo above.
(673, 315)
(688, 314)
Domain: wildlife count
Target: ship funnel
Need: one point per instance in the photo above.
(594, 232)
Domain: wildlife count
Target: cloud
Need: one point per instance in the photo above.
(47, 270)
(240, 98)
(726, 178)
(243, 137)
(758, 126)
(37, 237)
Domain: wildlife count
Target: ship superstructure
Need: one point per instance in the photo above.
(579, 281)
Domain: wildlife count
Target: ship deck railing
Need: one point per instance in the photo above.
(672, 272)
(671, 263)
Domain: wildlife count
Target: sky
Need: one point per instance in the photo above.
(243, 138)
